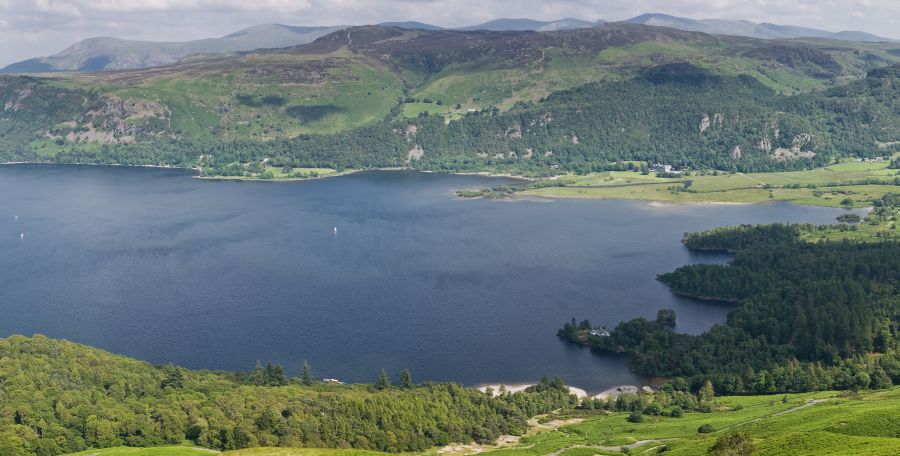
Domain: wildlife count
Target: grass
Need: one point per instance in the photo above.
(155, 451)
(837, 424)
(259, 96)
(303, 452)
(837, 185)
(817, 187)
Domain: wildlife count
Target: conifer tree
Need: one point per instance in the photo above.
(383, 380)
(307, 374)
(406, 381)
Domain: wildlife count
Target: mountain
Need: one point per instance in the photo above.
(103, 53)
(504, 25)
(749, 29)
(451, 99)
(412, 25)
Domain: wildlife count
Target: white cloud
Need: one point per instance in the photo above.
(31, 28)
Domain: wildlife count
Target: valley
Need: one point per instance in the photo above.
(342, 240)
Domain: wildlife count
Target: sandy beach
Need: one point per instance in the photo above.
(517, 388)
(617, 391)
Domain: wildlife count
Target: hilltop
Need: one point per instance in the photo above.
(105, 53)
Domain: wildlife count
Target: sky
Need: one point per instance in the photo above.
(32, 28)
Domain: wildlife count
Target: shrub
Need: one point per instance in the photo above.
(636, 417)
(653, 409)
(739, 444)
(706, 429)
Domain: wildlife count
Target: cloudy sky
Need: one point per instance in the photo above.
(30, 28)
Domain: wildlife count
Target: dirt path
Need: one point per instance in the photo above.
(634, 445)
(752, 178)
(809, 403)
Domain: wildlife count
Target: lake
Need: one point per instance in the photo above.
(159, 266)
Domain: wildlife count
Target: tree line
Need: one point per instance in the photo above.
(58, 397)
(810, 316)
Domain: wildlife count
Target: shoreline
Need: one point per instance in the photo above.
(291, 179)
(652, 203)
(663, 204)
(12, 163)
(613, 392)
(363, 170)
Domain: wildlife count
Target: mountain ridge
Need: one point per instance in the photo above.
(764, 30)
(381, 96)
(108, 53)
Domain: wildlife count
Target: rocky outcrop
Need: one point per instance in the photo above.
(796, 149)
(415, 154)
(17, 102)
(514, 132)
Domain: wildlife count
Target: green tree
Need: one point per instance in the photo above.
(383, 380)
(707, 393)
(406, 381)
(307, 374)
(274, 375)
(173, 377)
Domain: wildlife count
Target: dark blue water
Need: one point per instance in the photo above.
(162, 267)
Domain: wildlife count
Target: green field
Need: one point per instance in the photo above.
(156, 451)
(833, 423)
(829, 186)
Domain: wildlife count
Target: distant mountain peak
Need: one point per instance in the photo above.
(525, 24)
(412, 25)
(108, 53)
(765, 30)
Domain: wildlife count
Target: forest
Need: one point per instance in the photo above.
(59, 397)
(809, 316)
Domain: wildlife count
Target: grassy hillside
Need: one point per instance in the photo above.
(58, 397)
(777, 425)
(360, 94)
(835, 424)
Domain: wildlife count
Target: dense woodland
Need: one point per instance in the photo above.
(59, 397)
(677, 113)
(810, 316)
